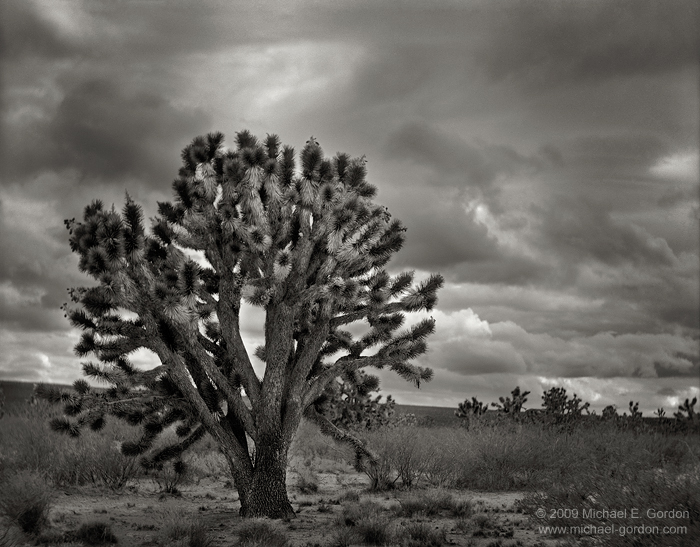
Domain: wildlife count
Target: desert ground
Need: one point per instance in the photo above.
(495, 484)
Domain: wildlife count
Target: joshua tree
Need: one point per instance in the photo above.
(350, 404)
(560, 408)
(635, 414)
(306, 243)
(471, 408)
(686, 412)
(609, 413)
(513, 406)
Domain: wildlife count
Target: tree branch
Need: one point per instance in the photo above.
(331, 430)
(316, 387)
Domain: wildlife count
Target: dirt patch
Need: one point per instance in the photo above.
(142, 515)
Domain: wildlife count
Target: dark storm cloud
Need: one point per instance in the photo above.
(610, 155)
(30, 317)
(448, 155)
(549, 43)
(104, 132)
(27, 33)
(582, 229)
(508, 268)
(674, 370)
(440, 233)
(34, 271)
(470, 112)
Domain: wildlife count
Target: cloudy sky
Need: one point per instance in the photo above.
(542, 154)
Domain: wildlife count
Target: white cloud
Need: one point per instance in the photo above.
(682, 166)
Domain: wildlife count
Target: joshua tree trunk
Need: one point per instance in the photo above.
(264, 494)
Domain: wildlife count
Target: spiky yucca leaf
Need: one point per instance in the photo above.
(81, 386)
(64, 425)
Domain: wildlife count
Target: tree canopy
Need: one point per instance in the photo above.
(305, 242)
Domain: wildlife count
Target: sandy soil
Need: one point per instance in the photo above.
(140, 515)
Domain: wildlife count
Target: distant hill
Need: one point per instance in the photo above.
(16, 392)
(20, 392)
(439, 415)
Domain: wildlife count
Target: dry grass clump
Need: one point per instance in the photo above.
(307, 481)
(181, 531)
(355, 512)
(94, 533)
(510, 456)
(350, 495)
(422, 534)
(374, 530)
(368, 523)
(344, 537)
(258, 533)
(433, 503)
(93, 458)
(575, 502)
(25, 501)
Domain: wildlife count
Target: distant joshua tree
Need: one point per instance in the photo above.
(559, 408)
(609, 412)
(468, 408)
(686, 412)
(306, 243)
(512, 406)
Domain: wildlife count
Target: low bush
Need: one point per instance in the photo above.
(307, 481)
(310, 444)
(181, 532)
(374, 530)
(584, 500)
(350, 495)
(511, 456)
(25, 501)
(404, 457)
(422, 534)
(353, 513)
(93, 458)
(261, 534)
(368, 522)
(94, 533)
(433, 503)
(345, 537)
(171, 475)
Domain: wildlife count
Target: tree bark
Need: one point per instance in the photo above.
(263, 493)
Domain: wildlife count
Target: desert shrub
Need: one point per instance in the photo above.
(512, 456)
(180, 531)
(422, 534)
(350, 495)
(94, 458)
(482, 525)
(433, 503)
(261, 534)
(368, 521)
(374, 530)
(307, 483)
(309, 444)
(25, 500)
(630, 488)
(203, 464)
(353, 513)
(94, 533)
(404, 456)
(169, 476)
(345, 537)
